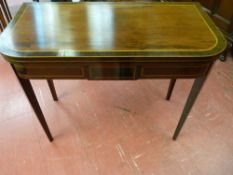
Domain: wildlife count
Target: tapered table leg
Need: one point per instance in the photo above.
(52, 89)
(197, 85)
(170, 89)
(27, 87)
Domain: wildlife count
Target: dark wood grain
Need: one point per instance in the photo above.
(121, 29)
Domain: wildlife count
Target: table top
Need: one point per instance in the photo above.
(105, 29)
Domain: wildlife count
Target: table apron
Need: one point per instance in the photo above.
(112, 71)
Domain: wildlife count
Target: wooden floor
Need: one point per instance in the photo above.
(117, 127)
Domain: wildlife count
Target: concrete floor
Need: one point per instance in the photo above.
(117, 127)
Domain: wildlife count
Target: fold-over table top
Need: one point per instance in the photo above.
(106, 29)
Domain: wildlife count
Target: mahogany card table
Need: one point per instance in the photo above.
(111, 41)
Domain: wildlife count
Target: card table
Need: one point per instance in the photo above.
(111, 41)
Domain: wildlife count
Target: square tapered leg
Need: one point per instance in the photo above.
(170, 88)
(27, 87)
(197, 85)
(52, 89)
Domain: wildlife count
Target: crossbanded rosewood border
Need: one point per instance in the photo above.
(217, 46)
